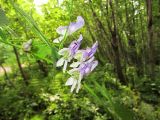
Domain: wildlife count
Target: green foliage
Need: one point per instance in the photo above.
(105, 99)
(35, 28)
(102, 96)
(3, 19)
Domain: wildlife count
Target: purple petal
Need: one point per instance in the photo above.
(62, 30)
(95, 45)
(86, 67)
(94, 64)
(93, 49)
(89, 52)
(76, 43)
(80, 38)
(74, 46)
(75, 25)
(85, 54)
(87, 70)
(83, 68)
(90, 60)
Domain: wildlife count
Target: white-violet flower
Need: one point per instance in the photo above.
(68, 53)
(77, 74)
(68, 30)
(83, 55)
(85, 62)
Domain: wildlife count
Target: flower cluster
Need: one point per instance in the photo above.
(85, 62)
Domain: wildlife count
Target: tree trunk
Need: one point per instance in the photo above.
(5, 72)
(116, 48)
(20, 67)
(105, 46)
(6, 76)
(150, 38)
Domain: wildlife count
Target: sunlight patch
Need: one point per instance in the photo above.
(40, 2)
(60, 2)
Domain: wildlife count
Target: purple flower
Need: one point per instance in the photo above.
(68, 53)
(83, 55)
(74, 46)
(77, 74)
(74, 26)
(85, 58)
(68, 30)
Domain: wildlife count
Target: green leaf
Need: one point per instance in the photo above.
(43, 51)
(37, 117)
(2, 35)
(123, 112)
(3, 19)
(35, 28)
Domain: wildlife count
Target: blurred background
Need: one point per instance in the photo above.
(124, 86)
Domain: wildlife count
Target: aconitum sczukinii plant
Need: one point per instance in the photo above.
(85, 60)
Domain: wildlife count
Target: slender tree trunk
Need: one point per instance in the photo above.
(150, 38)
(102, 34)
(6, 76)
(20, 67)
(159, 5)
(116, 48)
(5, 72)
(143, 39)
(99, 23)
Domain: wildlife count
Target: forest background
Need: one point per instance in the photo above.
(124, 86)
